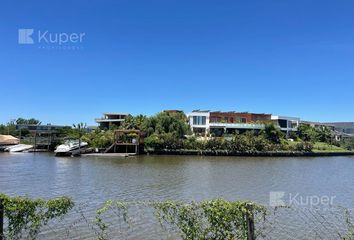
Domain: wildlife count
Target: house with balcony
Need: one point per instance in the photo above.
(111, 119)
(204, 122)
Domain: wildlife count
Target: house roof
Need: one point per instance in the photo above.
(115, 113)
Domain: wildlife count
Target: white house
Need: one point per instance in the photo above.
(286, 124)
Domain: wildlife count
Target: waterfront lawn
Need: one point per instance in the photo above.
(321, 147)
(325, 147)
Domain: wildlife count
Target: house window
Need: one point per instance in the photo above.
(243, 120)
(199, 120)
(283, 123)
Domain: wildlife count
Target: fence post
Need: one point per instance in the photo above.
(1, 219)
(250, 224)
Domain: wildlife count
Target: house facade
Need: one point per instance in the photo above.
(217, 123)
(286, 124)
(111, 119)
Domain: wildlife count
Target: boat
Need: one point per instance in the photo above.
(71, 148)
(18, 148)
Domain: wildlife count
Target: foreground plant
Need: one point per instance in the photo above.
(26, 216)
(215, 219)
(119, 208)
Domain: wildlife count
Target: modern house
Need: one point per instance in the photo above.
(318, 124)
(286, 124)
(110, 119)
(205, 122)
(343, 127)
(342, 130)
(199, 122)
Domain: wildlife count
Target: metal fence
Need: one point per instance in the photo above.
(307, 223)
(140, 222)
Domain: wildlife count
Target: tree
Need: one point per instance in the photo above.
(134, 122)
(323, 134)
(8, 128)
(307, 133)
(272, 133)
(167, 122)
(23, 121)
(99, 138)
(348, 144)
(78, 132)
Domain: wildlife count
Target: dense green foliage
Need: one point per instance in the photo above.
(348, 143)
(272, 133)
(171, 123)
(269, 139)
(29, 215)
(315, 134)
(10, 127)
(134, 122)
(216, 219)
(248, 142)
(99, 138)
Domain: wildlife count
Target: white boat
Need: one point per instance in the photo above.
(70, 147)
(18, 148)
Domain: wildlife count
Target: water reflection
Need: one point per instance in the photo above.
(142, 178)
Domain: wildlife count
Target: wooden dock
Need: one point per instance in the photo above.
(123, 155)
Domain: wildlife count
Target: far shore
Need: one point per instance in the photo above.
(186, 152)
(251, 154)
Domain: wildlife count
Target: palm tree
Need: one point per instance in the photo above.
(35, 136)
(78, 132)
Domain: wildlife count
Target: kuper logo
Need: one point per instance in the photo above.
(24, 36)
(278, 199)
(47, 39)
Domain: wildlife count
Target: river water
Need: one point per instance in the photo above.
(92, 180)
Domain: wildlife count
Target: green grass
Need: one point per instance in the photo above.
(324, 147)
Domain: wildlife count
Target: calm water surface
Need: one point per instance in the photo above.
(143, 178)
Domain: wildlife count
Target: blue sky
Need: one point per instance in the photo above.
(284, 57)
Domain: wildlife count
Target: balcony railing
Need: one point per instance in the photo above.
(238, 125)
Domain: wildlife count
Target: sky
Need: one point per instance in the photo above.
(293, 58)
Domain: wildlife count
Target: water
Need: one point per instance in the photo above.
(96, 179)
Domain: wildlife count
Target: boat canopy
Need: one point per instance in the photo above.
(8, 140)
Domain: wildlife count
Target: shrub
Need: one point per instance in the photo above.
(304, 147)
(272, 133)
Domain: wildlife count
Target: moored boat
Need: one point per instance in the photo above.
(70, 148)
(18, 148)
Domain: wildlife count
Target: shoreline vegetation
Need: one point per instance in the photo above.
(250, 154)
(169, 133)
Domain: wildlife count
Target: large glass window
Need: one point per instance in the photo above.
(283, 123)
(199, 120)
